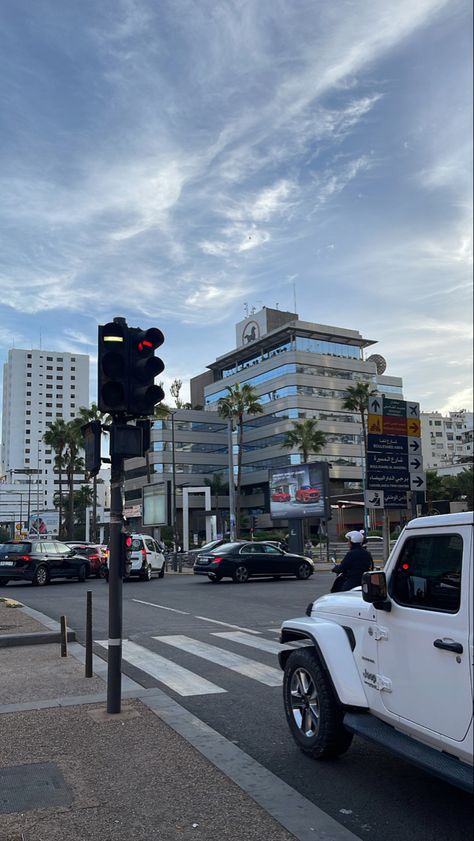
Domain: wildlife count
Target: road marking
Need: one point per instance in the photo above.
(254, 642)
(235, 662)
(181, 680)
(227, 624)
(162, 607)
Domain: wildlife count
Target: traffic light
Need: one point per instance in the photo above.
(126, 541)
(112, 364)
(144, 366)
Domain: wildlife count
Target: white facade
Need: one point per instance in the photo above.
(445, 439)
(38, 387)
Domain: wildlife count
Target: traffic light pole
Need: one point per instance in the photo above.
(114, 664)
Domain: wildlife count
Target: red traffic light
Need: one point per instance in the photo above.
(149, 340)
(128, 540)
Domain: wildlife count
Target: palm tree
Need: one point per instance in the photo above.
(239, 401)
(218, 488)
(73, 464)
(83, 498)
(306, 438)
(56, 437)
(83, 416)
(356, 399)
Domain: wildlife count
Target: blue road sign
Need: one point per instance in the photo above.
(388, 479)
(395, 499)
(387, 461)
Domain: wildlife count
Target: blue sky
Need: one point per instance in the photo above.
(171, 161)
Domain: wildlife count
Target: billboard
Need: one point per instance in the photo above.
(44, 523)
(156, 504)
(299, 491)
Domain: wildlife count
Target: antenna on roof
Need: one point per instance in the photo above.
(277, 305)
(246, 310)
(294, 296)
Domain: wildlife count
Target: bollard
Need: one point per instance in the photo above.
(88, 661)
(63, 636)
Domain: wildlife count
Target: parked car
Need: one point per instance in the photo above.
(39, 561)
(281, 496)
(241, 561)
(307, 494)
(94, 553)
(146, 558)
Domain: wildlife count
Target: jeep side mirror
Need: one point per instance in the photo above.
(374, 590)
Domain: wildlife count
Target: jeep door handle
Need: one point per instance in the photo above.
(449, 646)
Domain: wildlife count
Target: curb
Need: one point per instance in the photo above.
(38, 638)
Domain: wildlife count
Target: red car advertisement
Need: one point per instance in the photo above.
(307, 494)
(300, 490)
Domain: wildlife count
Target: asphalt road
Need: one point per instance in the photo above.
(373, 794)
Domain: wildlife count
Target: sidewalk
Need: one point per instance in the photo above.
(71, 772)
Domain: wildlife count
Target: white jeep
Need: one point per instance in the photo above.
(392, 660)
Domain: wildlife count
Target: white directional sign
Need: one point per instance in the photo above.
(375, 405)
(418, 481)
(374, 499)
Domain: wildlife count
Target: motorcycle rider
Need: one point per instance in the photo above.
(357, 561)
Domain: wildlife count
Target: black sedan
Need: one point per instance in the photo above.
(241, 561)
(39, 561)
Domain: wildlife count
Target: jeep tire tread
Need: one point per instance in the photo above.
(307, 688)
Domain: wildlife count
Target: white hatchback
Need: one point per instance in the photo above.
(146, 558)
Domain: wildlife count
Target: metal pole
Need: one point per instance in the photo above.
(37, 486)
(21, 510)
(114, 675)
(63, 636)
(173, 496)
(230, 449)
(88, 663)
(29, 500)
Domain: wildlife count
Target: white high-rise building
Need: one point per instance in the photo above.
(38, 387)
(445, 439)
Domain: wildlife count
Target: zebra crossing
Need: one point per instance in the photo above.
(186, 682)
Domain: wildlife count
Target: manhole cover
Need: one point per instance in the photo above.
(37, 786)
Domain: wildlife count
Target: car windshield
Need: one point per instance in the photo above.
(15, 548)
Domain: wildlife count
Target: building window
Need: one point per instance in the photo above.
(28, 355)
(28, 364)
(59, 359)
(27, 461)
(28, 393)
(49, 367)
(27, 451)
(50, 415)
(29, 413)
(28, 402)
(59, 377)
(49, 359)
(49, 376)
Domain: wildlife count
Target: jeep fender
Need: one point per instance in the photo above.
(333, 649)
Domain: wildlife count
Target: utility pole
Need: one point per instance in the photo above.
(230, 448)
(114, 663)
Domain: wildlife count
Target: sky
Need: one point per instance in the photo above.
(175, 162)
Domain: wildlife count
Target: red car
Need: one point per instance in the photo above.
(281, 496)
(94, 554)
(307, 494)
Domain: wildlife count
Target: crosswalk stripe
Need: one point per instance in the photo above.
(235, 662)
(227, 624)
(181, 680)
(254, 642)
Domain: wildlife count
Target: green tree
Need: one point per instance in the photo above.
(218, 488)
(83, 416)
(83, 499)
(435, 488)
(305, 437)
(175, 389)
(56, 437)
(356, 398)
(73, 463)
(239, 401)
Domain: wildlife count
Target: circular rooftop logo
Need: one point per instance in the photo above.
(250, 333)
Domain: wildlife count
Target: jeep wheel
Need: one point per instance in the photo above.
(241, 574)
(312, 709)
(303, 572)
(41, 577)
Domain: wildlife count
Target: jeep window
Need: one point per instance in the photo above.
(428, 573)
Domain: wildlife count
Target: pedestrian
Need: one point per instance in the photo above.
(309, 549)
(357, 561)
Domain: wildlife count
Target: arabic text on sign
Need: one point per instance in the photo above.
(394, 408)
(387, 443)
